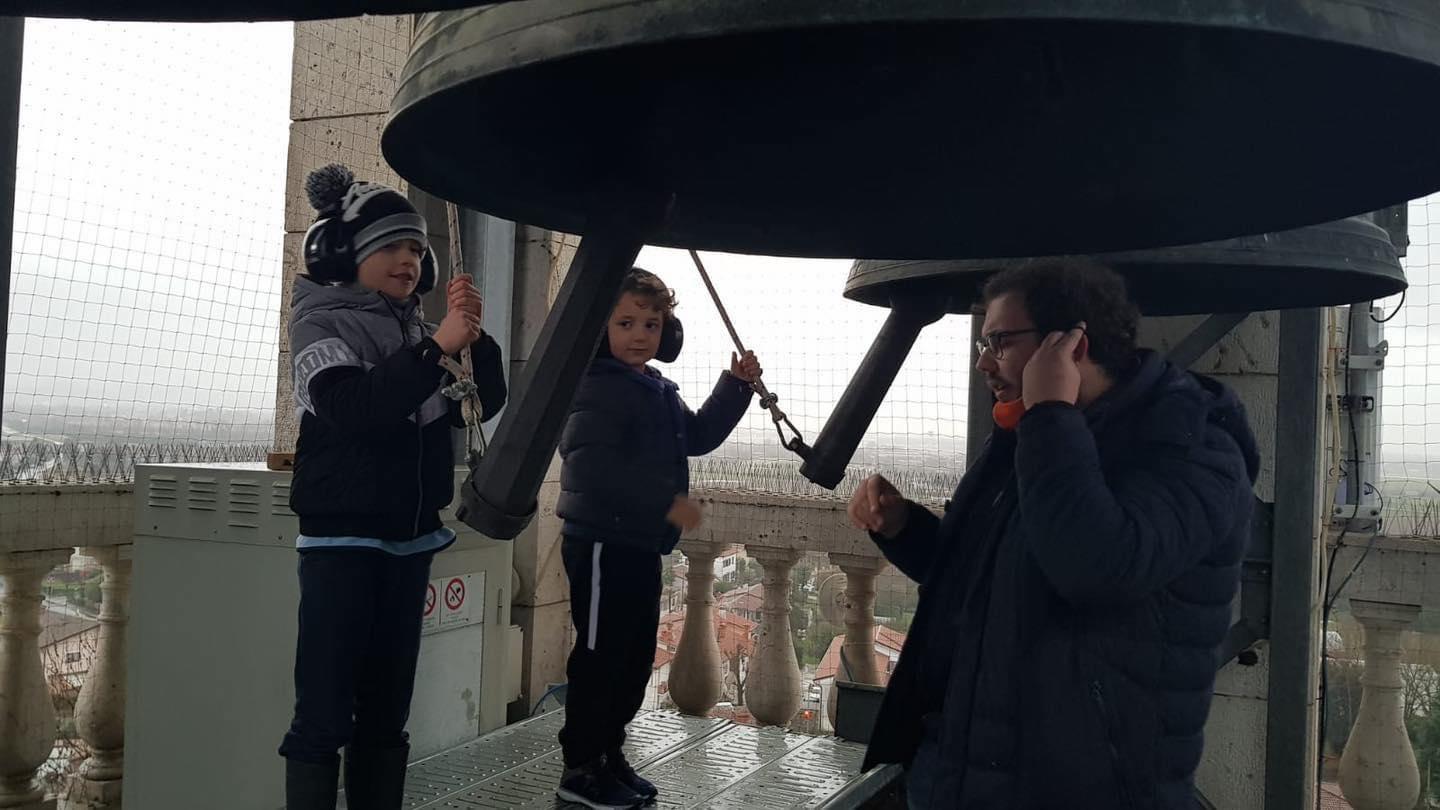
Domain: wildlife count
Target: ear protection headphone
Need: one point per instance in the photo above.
(1007, 415)
(672, 340)
(330, 256)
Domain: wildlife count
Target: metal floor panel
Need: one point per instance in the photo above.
(807, 777)
(696, 762)
(432, 780)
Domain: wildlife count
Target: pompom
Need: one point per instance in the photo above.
(326, 186)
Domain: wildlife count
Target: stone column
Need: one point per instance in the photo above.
(695, 677)
(772, 690)
(27, 716)
(100, 710)
(859, 647)
(1378, 770)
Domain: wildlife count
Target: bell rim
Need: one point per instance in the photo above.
(1354, 249)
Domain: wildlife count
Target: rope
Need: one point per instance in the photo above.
(769, 401)
(463, 389)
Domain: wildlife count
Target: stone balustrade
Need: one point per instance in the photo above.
(1378, 769)
(775, 531)
(41, 528)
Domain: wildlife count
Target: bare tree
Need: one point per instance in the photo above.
(65, 683)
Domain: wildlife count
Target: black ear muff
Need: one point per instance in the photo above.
(427, 273)
(672, 340)
(328, 255)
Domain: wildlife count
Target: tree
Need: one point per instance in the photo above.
(811, 646)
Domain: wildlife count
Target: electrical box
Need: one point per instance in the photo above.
(212, 639)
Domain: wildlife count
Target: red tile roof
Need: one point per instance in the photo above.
(750, 599)
(830, 664)
(734, 634)
(1331, 798)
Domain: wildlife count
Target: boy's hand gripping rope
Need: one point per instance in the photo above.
(463, 389)
(769, 401)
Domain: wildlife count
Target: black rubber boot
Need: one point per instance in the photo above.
(375, 777)
(309, 786)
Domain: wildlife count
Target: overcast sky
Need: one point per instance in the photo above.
(148, 263)
(149, 202)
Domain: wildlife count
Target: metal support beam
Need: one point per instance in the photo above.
(499, 497)
(1204, 337)
(12, 47)
(1290, 745)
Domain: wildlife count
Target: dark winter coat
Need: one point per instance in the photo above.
(625, 452)
(1091, 660)
(374, 457)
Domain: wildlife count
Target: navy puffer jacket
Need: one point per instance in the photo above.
(625, 450)
(1110, 593)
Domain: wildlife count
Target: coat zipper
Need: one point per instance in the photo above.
(1097, 693)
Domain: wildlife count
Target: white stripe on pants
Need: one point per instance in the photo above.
(594, 597)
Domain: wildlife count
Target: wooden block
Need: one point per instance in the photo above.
(280, 461)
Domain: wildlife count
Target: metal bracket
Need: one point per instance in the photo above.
(1359, 404)
(1373, 360)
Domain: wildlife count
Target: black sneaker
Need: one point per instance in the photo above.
(592, 785)
(620, 768)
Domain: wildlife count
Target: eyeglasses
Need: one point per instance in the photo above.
(994, 342)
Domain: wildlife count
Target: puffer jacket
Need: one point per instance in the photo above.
(1090, 661)
(625, 448)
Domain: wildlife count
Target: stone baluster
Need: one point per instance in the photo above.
(695, 676)
(1378, 769)
(859, 646)
(100, 710)
(772, 690)
(27, 715)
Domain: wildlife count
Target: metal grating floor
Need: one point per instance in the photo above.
(696, 762)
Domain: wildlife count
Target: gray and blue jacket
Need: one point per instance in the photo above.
(374, 457)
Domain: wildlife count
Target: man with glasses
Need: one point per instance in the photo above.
(1076, 590)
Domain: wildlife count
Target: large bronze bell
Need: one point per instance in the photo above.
(924, 128)
(1342, 262)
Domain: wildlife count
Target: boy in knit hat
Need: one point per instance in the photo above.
(374, 465)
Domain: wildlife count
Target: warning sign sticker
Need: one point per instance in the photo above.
(455, 594)
(430, 618)
(457, 601)
(454, 601)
